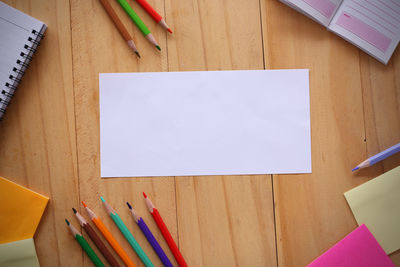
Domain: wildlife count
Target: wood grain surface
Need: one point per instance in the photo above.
(49, 138)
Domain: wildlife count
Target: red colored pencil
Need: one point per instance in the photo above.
(166, 234)
(157, 17)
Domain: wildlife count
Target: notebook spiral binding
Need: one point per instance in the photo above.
(19, 69)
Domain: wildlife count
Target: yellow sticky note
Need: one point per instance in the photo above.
(19, 254)
(376, 204)
(20, 210)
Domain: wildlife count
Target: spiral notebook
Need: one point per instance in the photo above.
(20, 37)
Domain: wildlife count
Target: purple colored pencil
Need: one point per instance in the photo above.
(378, 157)
(150, 237)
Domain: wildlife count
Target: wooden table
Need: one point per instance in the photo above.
(49, 139)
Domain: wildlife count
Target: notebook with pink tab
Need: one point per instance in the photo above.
(371, 25)
(359, 248)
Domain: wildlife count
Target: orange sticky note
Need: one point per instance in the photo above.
(20, 210)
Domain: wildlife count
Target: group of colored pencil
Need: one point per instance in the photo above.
(137, 20)
(128, 236)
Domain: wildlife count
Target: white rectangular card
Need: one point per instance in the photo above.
(205, 123)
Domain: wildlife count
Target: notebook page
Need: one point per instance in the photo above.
(372, 25)
(321, 11)
(19, 19)
(12, 41)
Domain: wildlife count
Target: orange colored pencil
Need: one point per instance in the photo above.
(110, 239)
(121, 28)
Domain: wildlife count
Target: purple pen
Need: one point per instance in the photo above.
(150, 237)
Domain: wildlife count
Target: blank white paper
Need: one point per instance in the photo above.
(204, 123)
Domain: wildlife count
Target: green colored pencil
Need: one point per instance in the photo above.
(127, 234)
(139, 23)
(85, 245)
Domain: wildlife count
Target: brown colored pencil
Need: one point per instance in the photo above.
(121, 28)
(96, 240)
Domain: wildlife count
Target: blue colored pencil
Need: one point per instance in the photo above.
(150, 237)
(378, 157)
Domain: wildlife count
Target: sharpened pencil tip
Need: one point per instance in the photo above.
(169, 30)
(83, 203)
(102, 199)
(144, 194)
(74, 210)
(137, 54)
(67, 221)
(129, 205)
(158, 47)
(356, 168)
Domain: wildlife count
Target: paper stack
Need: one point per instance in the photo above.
(21, 210)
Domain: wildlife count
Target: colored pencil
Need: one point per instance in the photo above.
(150, 237)
(139, 23)
(84, 244)
(164, 230)
(153, 13)
(121, 28)
(110, 239)
(378, 157)
(96, 240)
(127, 234)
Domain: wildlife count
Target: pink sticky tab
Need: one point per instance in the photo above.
(359, 248)
(364, 31)
(325, 7)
